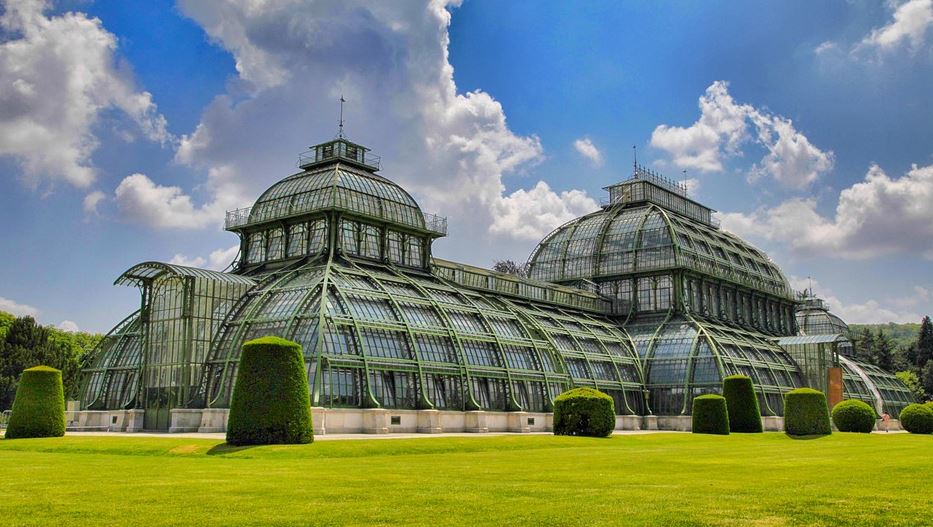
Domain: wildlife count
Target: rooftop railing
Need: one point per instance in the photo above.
(237, 218)
(342, 151)
(435, 223)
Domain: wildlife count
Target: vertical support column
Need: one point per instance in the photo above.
(834, 386)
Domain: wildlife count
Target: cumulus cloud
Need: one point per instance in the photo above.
(585, 147)
(141, 199)
(69, 326)
(390, 61)
(725, 126)
(910, 24)
(878, 216)
(867, 312)
(15, 308)
(531, 214)
(217, 260)
(92, 200)
(57, 75)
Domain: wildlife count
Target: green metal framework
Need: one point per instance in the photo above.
(376, 336)
(646, 300)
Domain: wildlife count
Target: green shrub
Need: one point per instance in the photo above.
(39, 406)
(917, 419)
(742, 404)
(853, 415)
(270, 404)
(929, 404)
(806, 413)
(710, 415)
(584, 412)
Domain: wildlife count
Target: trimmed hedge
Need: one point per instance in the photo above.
(742, 404)
(917, 419)
(271, 403)
(853, 415)
(584, 412)
(806, 413)
(39, 406)
(710, 415)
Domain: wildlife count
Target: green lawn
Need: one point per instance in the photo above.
(659, 479)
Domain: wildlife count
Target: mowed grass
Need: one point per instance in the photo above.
(657, 479)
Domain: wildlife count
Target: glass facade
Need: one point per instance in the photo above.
(646, 300)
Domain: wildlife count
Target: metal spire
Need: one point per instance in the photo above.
(340, 126)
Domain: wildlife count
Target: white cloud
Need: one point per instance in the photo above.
(911, 22)
(57, 74)
(165, 207)
(725, 126)
(826, 47)
(92, 200)
(585, 147)
(531, 214)
(218, 260)
(868, 312)
(875, 217)
(69, 326)
(20, 310)
(452, 150)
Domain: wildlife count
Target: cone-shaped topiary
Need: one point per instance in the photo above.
(39, 407)
(853, 415)
(806, 413)
(742, 404)
(584, 412)
(917, 419)
(710, 415)
(270, 404)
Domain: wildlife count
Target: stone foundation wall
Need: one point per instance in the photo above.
(387, 421)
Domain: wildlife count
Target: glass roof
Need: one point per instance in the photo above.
(367, 323)
(338, 186)
(148, 271)
(622, 240)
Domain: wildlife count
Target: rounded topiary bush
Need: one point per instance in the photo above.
(853, 415)
(270, 404)
(806, 413)
(917, 419)
(39, 406)
(710, 415)
(742, 404)
(584, 412)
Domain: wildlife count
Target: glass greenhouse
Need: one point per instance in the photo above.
(646, 300)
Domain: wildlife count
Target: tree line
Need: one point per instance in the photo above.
(24, 344)
(912, 360)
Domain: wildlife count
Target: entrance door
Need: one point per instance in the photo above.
(158, 409)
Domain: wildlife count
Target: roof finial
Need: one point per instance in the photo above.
(684, 184)
(635, 159)
(340, 126)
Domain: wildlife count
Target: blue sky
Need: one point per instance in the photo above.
(126, 129)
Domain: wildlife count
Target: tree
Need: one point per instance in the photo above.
(25, 344)
(510, 267)
(912, 382)
(924, 343)
(883, 351)
(864, 344)
(926, 378)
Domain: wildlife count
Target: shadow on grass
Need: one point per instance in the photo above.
(227, 448)
(807, 437)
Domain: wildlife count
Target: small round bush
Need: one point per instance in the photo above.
(270, 403)
(742, 404)
(39, 406)
(710, 415)
(917, 419)
(853, 415)
(806, 413)
(584, 412)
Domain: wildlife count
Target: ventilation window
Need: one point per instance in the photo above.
(396, 420)
(531, 421)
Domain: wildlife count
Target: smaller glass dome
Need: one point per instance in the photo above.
(814, 318)
(338, 186)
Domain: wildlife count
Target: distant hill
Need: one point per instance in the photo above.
(903, 334)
